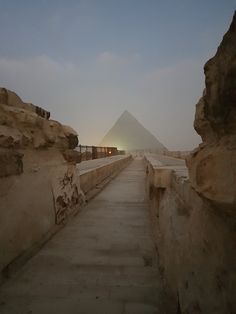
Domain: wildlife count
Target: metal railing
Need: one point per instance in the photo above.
(93, 152)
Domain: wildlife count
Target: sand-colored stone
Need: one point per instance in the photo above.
(193, 214)
(10, 98)
(22, 125)
(212, 167)
(39, 180)
(195, 245)
(104, 261)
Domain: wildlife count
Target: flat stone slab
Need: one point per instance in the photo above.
(159, 161)
(103, 261)
(89, 165)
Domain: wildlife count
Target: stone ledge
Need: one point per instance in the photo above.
(163, 170)
(194, 242)
(34, 223)
(90, 178)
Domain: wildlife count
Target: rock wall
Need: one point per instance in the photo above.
(195, 245)
(39, 181)
(21, 126)
(212, 166)
(193, 213)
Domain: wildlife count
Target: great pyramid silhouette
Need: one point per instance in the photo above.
(129, 134)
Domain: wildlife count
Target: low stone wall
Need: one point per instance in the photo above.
(177, 154)
(33, 206)
(39, 180)
(196, 246)
(90, 178)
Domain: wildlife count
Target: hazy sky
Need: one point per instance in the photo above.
(87, 61)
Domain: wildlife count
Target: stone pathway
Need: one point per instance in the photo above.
(88, 165)
(102, 262)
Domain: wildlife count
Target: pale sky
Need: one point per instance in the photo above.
(87, 61)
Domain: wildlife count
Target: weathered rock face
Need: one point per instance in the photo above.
(195, 244)
(24, 125)
(212, 166)
(39, 180)
(10, 162)
(10, 98)
(195, 232)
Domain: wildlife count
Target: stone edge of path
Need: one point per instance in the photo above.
(15, 265)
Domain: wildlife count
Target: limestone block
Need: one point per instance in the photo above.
(162, 177)
(42, 113)
(213, 174)
(25, 118)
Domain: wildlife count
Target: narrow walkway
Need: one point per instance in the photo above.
(102, 262)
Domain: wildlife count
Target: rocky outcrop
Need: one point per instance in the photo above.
(212, 166)
(24, 125)
(39, 180)
(10, 98)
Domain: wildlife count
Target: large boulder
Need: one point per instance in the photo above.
(212, 166)
(23, 125)
(10, 98)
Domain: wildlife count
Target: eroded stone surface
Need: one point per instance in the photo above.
(195, 245)
(24, 125)
(10, 163)
(10, 98)
(39, 181)
(212, 166)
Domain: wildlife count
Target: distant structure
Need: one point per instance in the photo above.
(129, 134)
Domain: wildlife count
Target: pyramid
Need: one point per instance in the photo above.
(129, 134)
